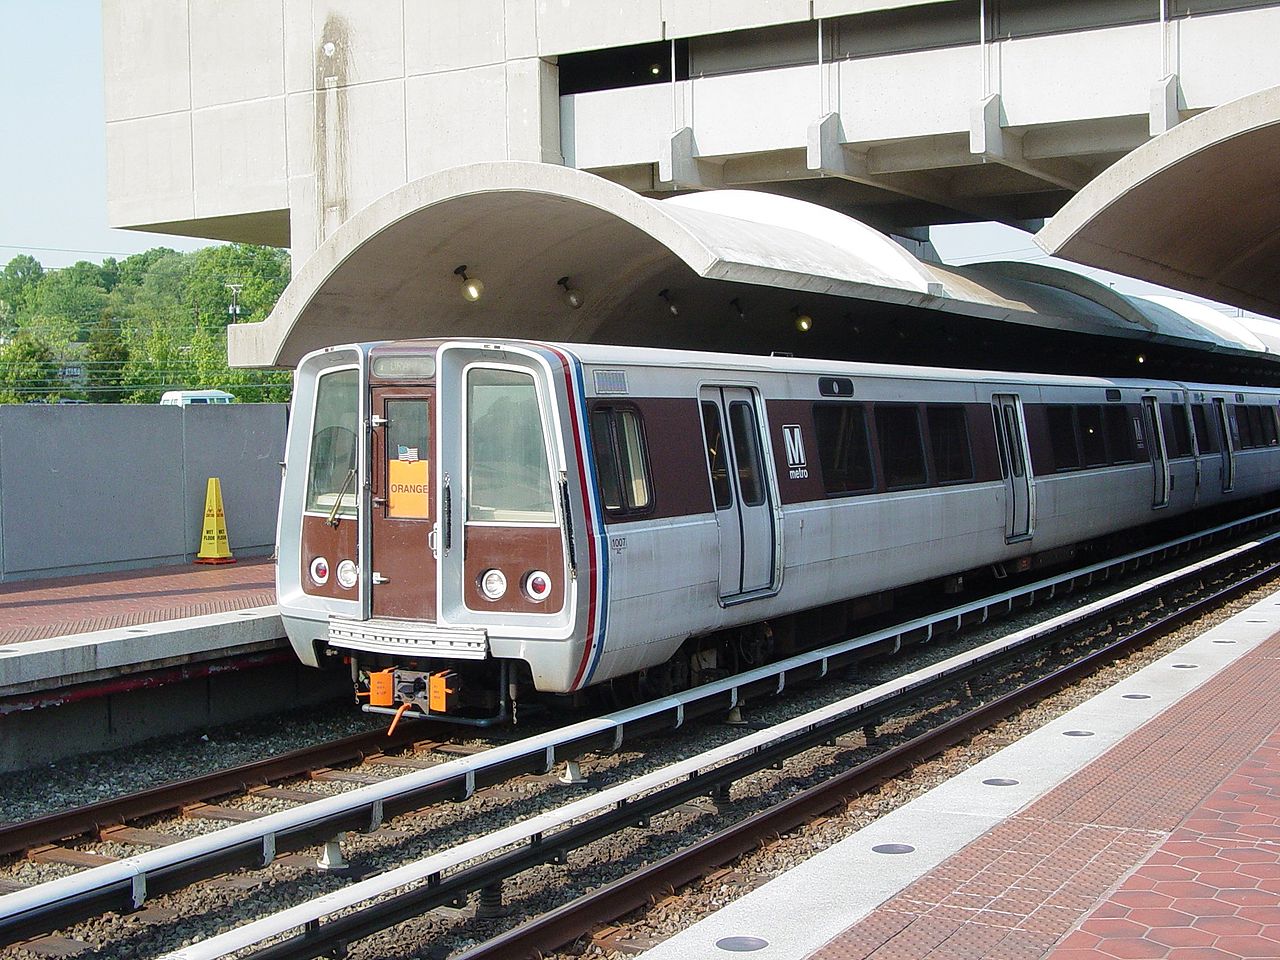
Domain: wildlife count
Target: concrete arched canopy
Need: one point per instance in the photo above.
(1196, 208)
(388, 272)
(737, 264)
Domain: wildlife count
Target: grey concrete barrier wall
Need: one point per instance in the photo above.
(94, 487)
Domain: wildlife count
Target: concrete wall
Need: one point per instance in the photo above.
(277, 122)
(86, 488)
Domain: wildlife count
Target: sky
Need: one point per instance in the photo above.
(53, 169)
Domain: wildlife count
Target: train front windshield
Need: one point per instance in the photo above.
(509, 477)
(333, 443)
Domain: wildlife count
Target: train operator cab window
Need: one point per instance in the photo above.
(949, 443)
(508, 477)
(622, 462)
(1206, 436)
(717, 457)
(843, 447)
(901, 446)
(331, 481)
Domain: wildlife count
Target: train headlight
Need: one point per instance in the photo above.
(320, 571)
(493, 584)
(347, 574)
(537, 586)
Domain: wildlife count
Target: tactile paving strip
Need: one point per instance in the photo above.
(1200, 780)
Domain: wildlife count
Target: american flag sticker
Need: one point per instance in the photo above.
(408, 454)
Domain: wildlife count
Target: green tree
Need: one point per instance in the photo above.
(259, 273)
(74, 295)
(28, 370)
(105, 357)
(17, 280)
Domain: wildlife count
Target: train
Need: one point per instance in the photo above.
(469, 524)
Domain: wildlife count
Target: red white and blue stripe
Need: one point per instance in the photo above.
(593, 575)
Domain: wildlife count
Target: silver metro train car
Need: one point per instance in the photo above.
(466, 521)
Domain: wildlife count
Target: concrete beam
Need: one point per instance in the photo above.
(680, 167)
(992, 141)
(1165, 97)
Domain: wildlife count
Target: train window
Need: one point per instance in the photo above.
(949, 443)
(408, 453)
(1258, 417)
(1267, 416)
(1250, 426)
(1177, 434)
(843, 447)
(1119, 435)
(332, 473)
(716, 459)
(1092, 445)
(1013, 437)
(1206, 436)
(901, 449)
(508, 477)
(746, 451)
(1062, 437)
(1004, 463)
(622, 463)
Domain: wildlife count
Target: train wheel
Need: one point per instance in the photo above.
(666, 678)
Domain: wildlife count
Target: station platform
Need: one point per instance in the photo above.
(1144, 823)
(59, 633)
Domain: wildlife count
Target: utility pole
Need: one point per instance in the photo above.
(233, 311)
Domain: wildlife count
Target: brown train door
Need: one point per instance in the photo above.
(402, 513)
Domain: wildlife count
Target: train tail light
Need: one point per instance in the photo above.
(537, 586)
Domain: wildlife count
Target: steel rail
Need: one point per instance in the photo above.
(606, 904)
(126, 884)
(166, 797)
(548, 837)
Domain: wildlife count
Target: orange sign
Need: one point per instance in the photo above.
(408, 489)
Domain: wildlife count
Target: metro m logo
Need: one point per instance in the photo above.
(793, 439)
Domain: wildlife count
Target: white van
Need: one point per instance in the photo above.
(187, 398)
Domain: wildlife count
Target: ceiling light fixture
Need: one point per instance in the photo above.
(737, 308)
(665, 294)
(804, 322)
(572, 295)
(472, 287)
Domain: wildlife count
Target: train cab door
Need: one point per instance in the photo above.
(740, 490)
(1159, 454)
(402, 446)
(1228, 444)
(1011, 440)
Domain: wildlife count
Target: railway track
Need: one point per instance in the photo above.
(538, 758)
(482, 866)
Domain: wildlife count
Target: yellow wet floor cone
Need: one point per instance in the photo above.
(214, 547)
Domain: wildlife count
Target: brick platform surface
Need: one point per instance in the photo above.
(1167, 846)
(37, 609)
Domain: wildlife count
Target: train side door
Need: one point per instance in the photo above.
(740, 489)
(1011, 438)
(1184, 409)
(1159, 454)
(1228, 444)
(402, 446)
